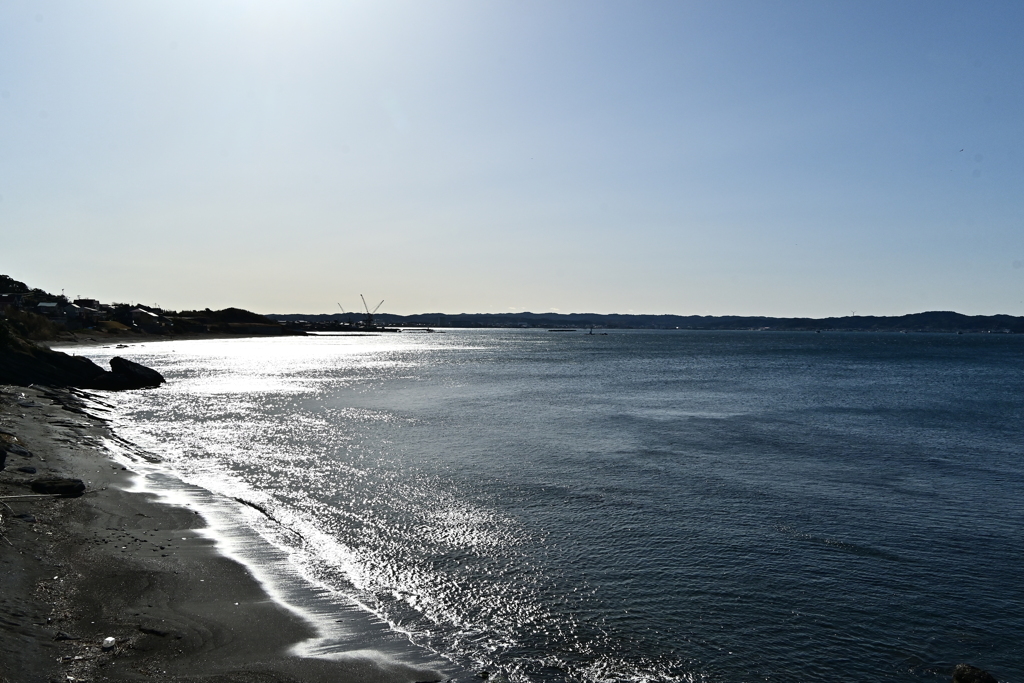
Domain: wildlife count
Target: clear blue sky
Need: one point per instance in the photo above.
(776, 158)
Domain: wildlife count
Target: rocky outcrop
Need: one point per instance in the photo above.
(965, 673)
(133, 375)
(24, 363)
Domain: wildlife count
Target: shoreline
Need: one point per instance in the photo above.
(137, 560)
(97, 338)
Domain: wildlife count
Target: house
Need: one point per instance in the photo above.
(83, 315)
(50, 309)
(148, 320)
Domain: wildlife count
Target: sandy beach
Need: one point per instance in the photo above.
(120, 564)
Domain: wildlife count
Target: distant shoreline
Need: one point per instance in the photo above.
(932, 321)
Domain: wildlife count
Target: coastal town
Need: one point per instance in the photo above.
(40, 315)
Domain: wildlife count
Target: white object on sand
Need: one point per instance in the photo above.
(108, 643)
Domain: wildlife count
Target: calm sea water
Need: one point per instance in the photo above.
(677, 506)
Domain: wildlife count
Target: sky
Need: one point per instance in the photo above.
(748, 158)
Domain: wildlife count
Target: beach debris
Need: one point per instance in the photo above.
(26, 517)
(17, 450)
(61, 635)
(28, 496)
(65, 488)
(108, 643)
(965, 673)
(27, 469)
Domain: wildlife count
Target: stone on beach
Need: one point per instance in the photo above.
(18, 450)
(65, 488)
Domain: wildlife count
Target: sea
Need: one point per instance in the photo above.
(526, 505)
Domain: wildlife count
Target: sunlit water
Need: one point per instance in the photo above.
(636, 506)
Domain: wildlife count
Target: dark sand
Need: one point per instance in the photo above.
(113, 564)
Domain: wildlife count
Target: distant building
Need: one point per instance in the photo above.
(79, 316)
(50, 310)
(148, 320)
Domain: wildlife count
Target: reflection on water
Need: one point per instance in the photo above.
(637, 506)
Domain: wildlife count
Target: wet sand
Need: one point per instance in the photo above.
(121, 564)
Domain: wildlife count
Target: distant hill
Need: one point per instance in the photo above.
(931, 321)
(227, 315)
(228, 320)
(239, 321)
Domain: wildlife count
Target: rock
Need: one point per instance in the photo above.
(27, 469)
(136, 375)
(66, 488)
(23, 362)
(61, 635)
(19, 450)
(965, 673)
(108, 644)
(27, 517)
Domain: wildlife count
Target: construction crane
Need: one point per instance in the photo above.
(369, 314)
